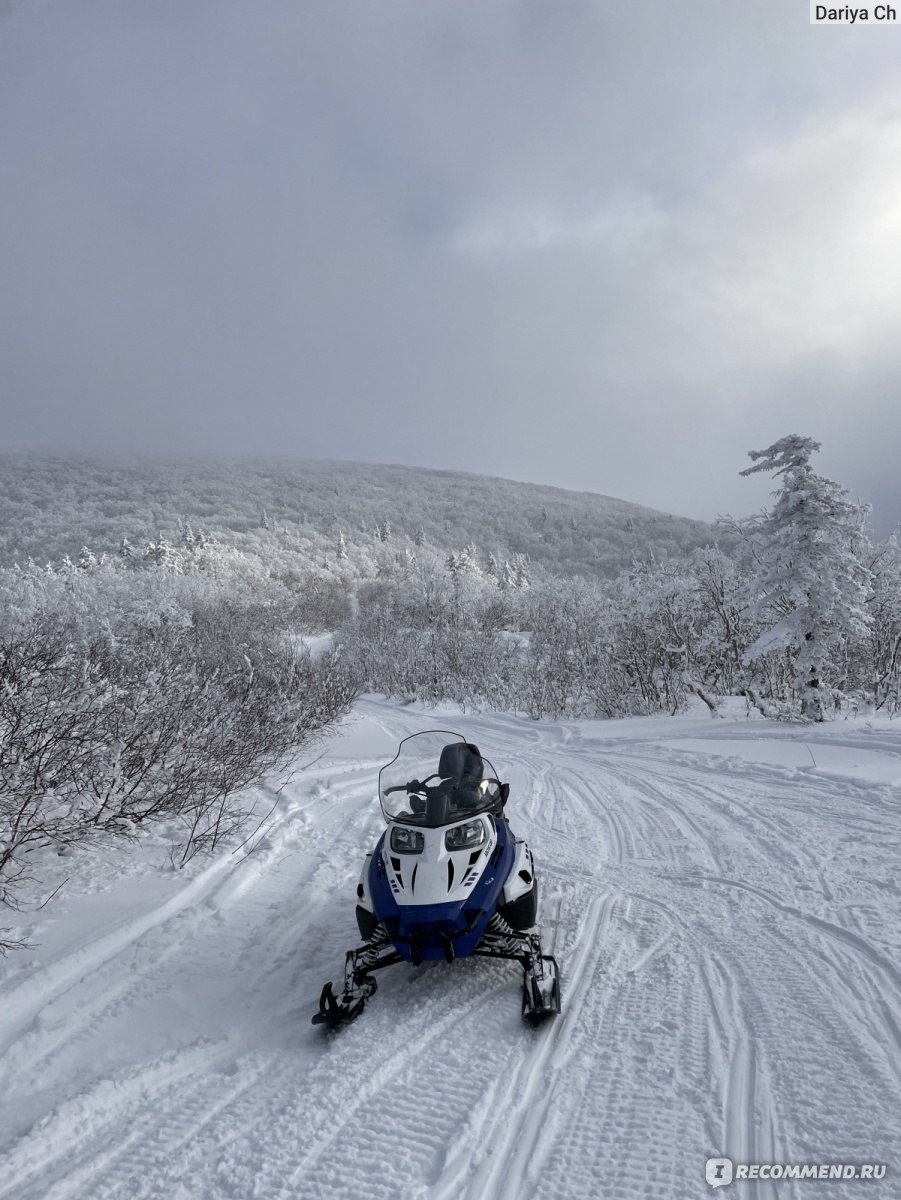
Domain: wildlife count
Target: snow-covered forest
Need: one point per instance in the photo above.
(152, 676)
(292, 513)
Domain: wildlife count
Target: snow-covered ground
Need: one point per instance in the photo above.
(724, 901)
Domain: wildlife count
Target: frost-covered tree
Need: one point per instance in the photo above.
(811, 583)
(521, 577)
(161, 554)
(720, 590)
(188, 540)
(884, 661)
(467, 561)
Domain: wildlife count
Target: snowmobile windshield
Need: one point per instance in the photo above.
(437, 778)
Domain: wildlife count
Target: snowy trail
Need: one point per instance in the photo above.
(724, 902)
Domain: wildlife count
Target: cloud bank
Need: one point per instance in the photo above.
(603, 249)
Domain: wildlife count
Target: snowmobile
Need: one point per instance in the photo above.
(446, 880)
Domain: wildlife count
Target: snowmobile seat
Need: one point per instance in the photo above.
(462, 762)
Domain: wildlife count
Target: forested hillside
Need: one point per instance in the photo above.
(52, 506)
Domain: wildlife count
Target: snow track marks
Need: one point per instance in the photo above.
(729, 940)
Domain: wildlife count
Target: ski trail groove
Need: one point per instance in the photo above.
(505, 1120)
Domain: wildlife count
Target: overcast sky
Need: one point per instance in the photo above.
(605, 246)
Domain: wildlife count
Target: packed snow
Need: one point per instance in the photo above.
(723, 899)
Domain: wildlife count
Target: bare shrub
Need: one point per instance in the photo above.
(166, 716)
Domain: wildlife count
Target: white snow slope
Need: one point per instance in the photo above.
(723, 899)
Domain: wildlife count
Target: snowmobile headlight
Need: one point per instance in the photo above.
(406, 841)
(464, 837)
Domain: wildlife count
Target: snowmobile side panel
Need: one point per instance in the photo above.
(519, 902)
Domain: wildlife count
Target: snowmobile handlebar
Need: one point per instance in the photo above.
(415, 786)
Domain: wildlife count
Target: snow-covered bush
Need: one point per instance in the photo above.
(431, 637)
(127, 696)
(558, 648)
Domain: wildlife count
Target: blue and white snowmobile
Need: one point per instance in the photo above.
(446, 879)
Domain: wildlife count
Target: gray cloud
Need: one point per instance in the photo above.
(610, 249)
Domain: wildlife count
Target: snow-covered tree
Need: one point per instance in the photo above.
(720, 589)
(188, 540)
(884, 664)
(161, 554)
(811, 581)
(521, 577)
